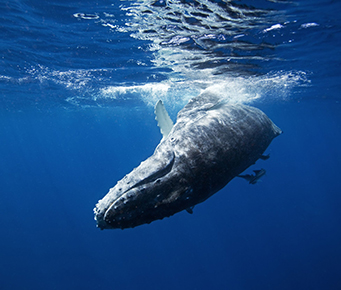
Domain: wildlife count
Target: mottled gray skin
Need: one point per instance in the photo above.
(211, 143)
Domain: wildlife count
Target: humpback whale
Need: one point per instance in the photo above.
(211, 142)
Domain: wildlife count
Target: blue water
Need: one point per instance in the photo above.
(79, 80)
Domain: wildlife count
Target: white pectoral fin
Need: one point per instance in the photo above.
(163, 120)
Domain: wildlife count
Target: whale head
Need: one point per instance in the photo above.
(155, 189)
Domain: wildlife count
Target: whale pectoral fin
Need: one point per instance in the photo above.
(190, 209)
(247, 177)
(163, 120)
(265, 157)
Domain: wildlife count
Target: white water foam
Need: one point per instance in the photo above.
(271, 87)
(175, 92)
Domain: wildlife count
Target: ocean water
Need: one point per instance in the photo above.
(79, 81)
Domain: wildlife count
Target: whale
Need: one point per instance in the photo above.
(212, 142)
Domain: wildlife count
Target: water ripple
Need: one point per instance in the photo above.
(217, 35)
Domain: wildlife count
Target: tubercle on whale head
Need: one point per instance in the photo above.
(159, 194)
(144, 204)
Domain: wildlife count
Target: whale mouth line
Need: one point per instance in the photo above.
(156, 175)
(134, 190)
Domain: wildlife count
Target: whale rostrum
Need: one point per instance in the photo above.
(211, 142)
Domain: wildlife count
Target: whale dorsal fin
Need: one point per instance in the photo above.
(163, 120)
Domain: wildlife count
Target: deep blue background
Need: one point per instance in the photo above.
(57, 160)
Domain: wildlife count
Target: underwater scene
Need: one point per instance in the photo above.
(170, 144)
